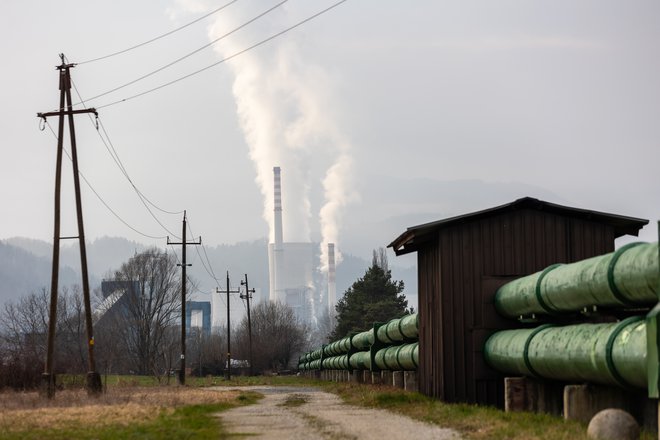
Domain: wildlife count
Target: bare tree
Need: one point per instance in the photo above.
(277, 337)
(23, 332)
(140, 317)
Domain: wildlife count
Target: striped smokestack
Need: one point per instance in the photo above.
(332, 282)
(277, 223)
(276, 249)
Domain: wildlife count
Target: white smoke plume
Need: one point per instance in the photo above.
(285, 108)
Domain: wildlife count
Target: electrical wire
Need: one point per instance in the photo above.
(99, 197)
(160, 36)
(209, 269)
(109, 146)
(260, 43)
(192, 284)
(121, 167)
(153, 72)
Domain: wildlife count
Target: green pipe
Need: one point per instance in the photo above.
(399, 330)
(398, 357)
(338, 347)
(628, 277)
(336, 363)
(364, 340)
(360, 360)
(612, 354)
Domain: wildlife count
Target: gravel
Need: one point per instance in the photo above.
(304, 413)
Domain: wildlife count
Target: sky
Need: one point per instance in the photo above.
(382, 114)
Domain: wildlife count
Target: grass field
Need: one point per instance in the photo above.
(125, 411)
(140, 407)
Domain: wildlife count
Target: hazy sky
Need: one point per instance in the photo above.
(558, 98)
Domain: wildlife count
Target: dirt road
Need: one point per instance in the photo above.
(304, 413)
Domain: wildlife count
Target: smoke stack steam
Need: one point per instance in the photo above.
(332, 281)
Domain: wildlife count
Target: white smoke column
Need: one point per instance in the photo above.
(285, 108)
(338, 189)
(271, 88)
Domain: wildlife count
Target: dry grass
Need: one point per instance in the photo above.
(119, 406)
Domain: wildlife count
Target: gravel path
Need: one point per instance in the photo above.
(304, 413)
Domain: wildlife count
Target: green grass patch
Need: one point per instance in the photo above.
(294, 400)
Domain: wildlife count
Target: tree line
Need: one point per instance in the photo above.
(137, 326)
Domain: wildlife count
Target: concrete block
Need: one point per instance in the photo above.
(358, 377)
(366, 376)
(515, 394)
(525, 394)
(375, 377)
(410, 382)
(582, 402)
(386, 378)
(397, 379)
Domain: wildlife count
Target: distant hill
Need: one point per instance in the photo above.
(22, 272)
(25, 266)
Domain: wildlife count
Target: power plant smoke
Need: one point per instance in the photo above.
(285, 110)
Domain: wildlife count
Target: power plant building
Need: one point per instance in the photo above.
(291, 265)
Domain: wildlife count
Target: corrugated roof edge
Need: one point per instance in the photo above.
(418, 234)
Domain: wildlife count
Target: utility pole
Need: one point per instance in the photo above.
(228, 291)
(247, 297)
(184, 279)
(94, 386)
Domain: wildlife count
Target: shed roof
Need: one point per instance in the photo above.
(414, 236)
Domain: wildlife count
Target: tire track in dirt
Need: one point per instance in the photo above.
(302, 413)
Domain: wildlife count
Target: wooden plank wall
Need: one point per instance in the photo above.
(458, 275)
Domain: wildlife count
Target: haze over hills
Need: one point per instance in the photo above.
(387, 206)
(26, 266)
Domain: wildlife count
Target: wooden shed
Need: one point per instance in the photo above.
(461, 263)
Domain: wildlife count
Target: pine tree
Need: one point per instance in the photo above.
(373, 298)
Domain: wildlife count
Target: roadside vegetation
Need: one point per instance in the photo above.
(123, 411)
(471, 421)
(140, 407)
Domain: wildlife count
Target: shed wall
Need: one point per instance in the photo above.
(459, 273)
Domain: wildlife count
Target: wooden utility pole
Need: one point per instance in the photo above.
(247, 297)
(94, 386)
(228, 291)
(184, 278)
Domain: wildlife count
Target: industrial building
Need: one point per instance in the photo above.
(198, 316)
(292, 266)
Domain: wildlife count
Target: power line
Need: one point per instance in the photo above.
(260, 43)
(99, 197)
(109, 146)
(188, 54)
(208, 270)
(160, 36)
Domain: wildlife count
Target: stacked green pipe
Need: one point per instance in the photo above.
(390, 346)
(611, 354)
(398, 330)
(624, 353)
(626, 278)
(398, 357)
